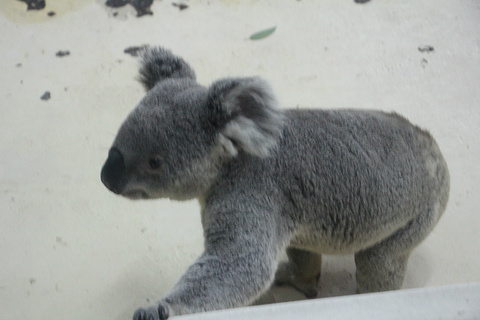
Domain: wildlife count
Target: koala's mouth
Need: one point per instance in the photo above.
(135, 194)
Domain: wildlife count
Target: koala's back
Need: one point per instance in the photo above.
(348, 179)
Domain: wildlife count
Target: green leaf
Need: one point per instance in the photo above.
(262, 34)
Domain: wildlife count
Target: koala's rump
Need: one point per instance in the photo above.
(351, 178)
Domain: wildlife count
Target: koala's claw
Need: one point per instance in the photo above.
(151, 313)
(139, 314)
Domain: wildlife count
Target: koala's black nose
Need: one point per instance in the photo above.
(114, 172)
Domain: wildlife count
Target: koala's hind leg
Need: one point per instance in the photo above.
(377, 271)
(302, 271)
(382, 267)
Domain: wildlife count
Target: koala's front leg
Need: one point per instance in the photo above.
(239, 263)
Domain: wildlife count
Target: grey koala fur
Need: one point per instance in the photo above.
(311, 182)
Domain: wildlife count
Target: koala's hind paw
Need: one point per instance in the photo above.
(288, 275)
(151, 313)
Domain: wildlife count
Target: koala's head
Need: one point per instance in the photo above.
(174, 143)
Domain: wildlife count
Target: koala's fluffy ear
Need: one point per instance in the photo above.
(246, 114)
(158, 64)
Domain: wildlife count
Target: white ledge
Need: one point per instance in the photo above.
(447, 302)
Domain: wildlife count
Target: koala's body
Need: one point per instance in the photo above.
(311, 182)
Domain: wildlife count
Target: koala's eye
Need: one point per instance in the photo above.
(154, 163)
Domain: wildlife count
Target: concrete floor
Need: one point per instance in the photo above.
(69, 249)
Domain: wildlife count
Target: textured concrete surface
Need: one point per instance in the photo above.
(71, 249)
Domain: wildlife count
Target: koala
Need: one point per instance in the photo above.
(310, 182)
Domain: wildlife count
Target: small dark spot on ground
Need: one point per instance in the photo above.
(115, 14)
(18, 65)
(62, 53)
(141, 6)
(116, 3)
(51, 13)
(424, 62)
(59, 240)
(46, 96)
(135, 50)
(32, 281)
(180, 6)
(34, 4)
(426, 49)
(361, 1)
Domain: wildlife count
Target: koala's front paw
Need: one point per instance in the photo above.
(151, 313)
